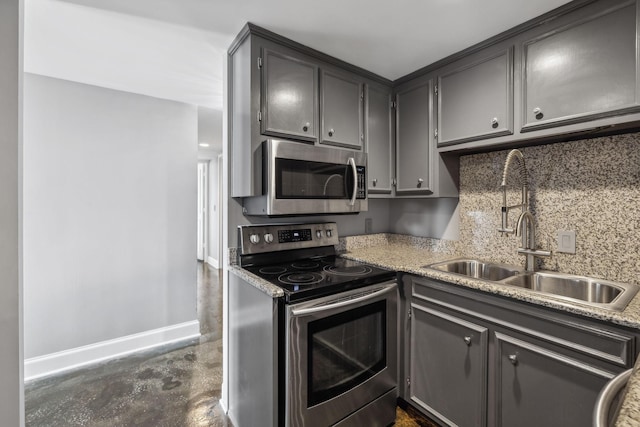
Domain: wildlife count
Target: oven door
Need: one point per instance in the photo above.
(341, 354)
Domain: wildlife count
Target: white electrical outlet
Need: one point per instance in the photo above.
(567, 241)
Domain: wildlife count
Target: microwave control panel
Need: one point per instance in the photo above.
(362, 183)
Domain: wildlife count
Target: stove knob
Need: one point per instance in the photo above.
(254, 238)
(319, 234)
(328, 233)
(268, 238)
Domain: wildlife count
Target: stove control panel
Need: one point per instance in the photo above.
(278, 237)
(296, 235)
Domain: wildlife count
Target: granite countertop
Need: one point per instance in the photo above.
(409, 259)
(264, 285)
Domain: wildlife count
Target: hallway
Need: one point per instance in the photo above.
(175, 385)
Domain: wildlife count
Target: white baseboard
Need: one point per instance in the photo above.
(53, 363)
(213, 262)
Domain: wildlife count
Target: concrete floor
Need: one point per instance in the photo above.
(176, 385)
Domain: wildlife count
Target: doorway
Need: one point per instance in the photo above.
(203, 210)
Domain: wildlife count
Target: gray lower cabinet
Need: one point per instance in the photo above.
(448, 365)
(342, 109)
(414, 137)
(476, 359)
(289, 101)
(379, 139)
(584, 68)
(475, 98)
(538, 387)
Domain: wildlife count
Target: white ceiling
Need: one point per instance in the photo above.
(174, 49)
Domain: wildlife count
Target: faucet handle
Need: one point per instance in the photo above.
(505, 231)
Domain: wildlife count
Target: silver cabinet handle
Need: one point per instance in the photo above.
(494, 122)
(306, 127)
(375, 182)
(331, 132)
(467, 340)
(513, 358)
(538, 113)
(420, 180)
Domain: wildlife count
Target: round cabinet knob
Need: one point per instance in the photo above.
(494, 122)
(328, 233)
(319, 234)
(513, 358)
(306, 127)
(254, 238)
(268, 238)
(375, 182)
(467, 340)
(420, 181)
(538, 113)
(331, 132)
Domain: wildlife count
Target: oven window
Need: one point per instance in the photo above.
(298, 179)
(345, 350)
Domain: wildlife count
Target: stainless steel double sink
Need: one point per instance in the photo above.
(566, 288)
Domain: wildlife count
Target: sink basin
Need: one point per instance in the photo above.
(565, 288)
(595, 292)
(477, 269)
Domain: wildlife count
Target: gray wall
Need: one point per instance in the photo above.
(11, 394)
(109, 214)
(436, 218)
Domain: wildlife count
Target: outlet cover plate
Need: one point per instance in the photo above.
(567, 241)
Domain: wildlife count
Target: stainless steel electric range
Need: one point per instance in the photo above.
(336, 327)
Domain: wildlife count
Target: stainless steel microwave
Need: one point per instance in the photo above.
(303, 179)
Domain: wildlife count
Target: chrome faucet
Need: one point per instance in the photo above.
(528, 233)
(525, 227)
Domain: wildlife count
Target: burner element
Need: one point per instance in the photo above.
(356, 270)
(273, 270)
(305, 265)
(300, 278)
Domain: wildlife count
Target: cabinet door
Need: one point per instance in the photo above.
(379, 139)
(476, 100)
(413, 138)
(342, 110)
(289, 96)
(448, 367)
(538, 387)
(585, 70)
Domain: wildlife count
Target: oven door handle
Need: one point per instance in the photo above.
(352, 162)
(341, 302)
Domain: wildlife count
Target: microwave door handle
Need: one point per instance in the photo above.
(341, 302)
(352, 162)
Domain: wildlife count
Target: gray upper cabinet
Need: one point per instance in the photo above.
(342, 109)
(475, 99)
(379, 137)
(583, 70)
(414, 137)
(448, 365)
(289, 104)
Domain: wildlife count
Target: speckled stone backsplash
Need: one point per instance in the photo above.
(590, 186)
